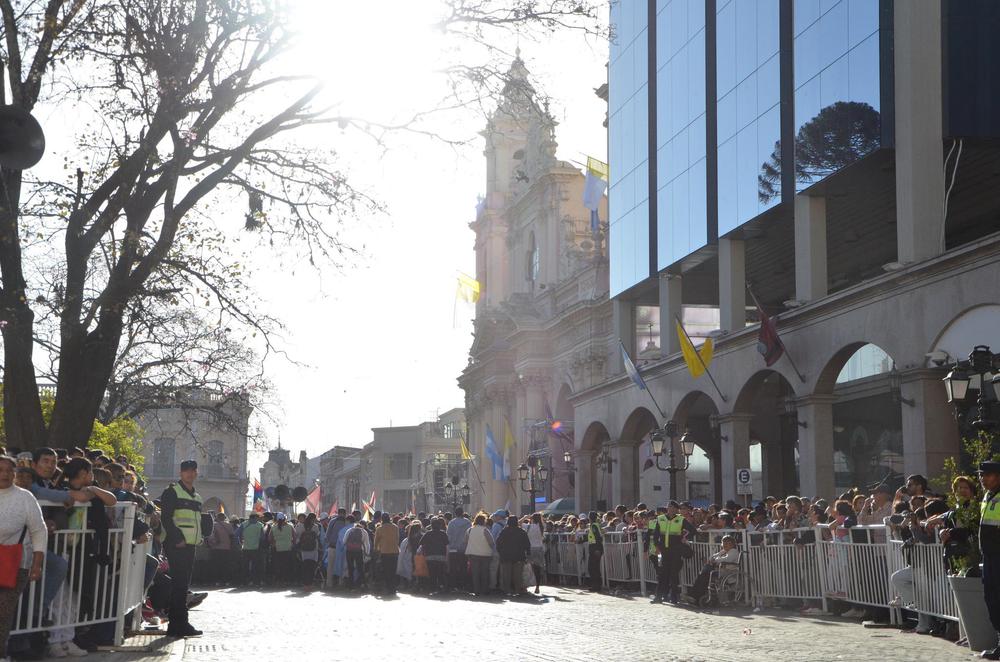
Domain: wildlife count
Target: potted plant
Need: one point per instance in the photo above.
(962, 552)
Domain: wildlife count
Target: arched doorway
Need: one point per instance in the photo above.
(767, 399)
(591, 482)
(560, 440)
(867, 421)
(701, 484)
(632, 480)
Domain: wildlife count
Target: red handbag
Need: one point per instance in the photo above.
(10, 561)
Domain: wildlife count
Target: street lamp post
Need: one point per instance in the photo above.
(658, 439)
(979, 375)
(457, 492)
(533, 475)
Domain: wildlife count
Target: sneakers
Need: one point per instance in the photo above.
(66, 649)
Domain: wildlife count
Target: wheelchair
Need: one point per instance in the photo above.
(725, 587)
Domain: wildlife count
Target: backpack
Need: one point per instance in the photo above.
(353, 540)
(308, 541)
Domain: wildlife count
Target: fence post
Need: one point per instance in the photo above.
(895, 613)
(641, 561)
(821, 558)
(746, 568)
(125, 566)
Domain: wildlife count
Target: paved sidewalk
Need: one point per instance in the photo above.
(566, 624)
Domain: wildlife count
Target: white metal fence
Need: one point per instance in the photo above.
(104, 579)
(794, 564)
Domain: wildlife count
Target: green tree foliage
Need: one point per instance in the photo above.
(121, 436)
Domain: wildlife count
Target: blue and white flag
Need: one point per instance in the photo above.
(630, 368)
(494, 454)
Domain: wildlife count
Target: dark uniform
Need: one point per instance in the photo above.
(989, 545)
(181, 519)
(595, 550)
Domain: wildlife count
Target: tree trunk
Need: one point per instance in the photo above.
(22, 406)
(86, 361)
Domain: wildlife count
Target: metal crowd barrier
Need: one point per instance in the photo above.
(102, 585)
(803, 564)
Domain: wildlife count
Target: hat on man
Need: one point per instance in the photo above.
(280, 517)
(989, 467)
(188, 465)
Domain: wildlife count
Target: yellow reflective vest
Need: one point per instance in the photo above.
(187, 514)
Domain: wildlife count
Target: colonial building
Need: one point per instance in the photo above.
(543, 316)
(838, 160)
(207, 427)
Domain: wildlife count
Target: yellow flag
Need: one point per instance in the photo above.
(468, 288)
(466, 455)
(597, 168)
(695, 365)
(508, 436)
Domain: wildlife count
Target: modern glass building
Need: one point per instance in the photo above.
(744, 103)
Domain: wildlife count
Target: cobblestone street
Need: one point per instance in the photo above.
(565, 625)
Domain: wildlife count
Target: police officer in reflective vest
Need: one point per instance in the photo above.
(595, 549)
(181, 519)
(989, 545)
(667, 537)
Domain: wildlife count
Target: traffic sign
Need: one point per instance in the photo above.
(744, 483)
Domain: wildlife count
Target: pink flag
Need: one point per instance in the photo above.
(333, 508)
(313, 500)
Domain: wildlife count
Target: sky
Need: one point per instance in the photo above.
(383, 338)
(380, 340)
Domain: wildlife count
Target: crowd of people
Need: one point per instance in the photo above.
(425, 553)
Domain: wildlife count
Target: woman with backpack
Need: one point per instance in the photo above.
(358, 546)
(309, 550)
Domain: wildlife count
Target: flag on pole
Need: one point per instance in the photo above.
(494, 453)
(594, 186)
(354, 506)
(697, 360)
(258, 492)
(468, 288)
(313, 500)
(630, 368)
(466, 455)
(334, 509)
(768, 341)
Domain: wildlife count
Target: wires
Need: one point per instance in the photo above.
(947, 194)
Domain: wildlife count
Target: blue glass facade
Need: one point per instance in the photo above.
(752, 101)
(837, 86)
(628, 147)
(748, 93)
(682, 213)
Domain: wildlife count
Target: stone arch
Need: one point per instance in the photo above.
(634, 479)
(591, 482)
(773, 434)
(965, 331)
(696, 414)
(638, 424)
(866, 439)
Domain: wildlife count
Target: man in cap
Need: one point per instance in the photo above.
(989, 545)
(181, 519)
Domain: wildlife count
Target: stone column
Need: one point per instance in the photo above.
(586, 480)
(624, 473)
(670, 309)
(816, 446)
(735, 452)
(623, 328)
(919, 132)
(810, 247)
(732, 285)
(930, 433)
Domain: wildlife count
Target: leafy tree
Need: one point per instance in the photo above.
(839, 135)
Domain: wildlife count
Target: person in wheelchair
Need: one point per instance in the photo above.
(723, 561)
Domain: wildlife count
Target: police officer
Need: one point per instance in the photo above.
(181, 517)
(671, 526)
(656, 540)
(989, 545)
(595, 549)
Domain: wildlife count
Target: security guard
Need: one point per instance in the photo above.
(595, 549)
(989, 545)
(181, 517)
(670, 527)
